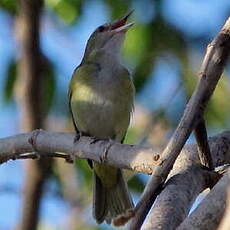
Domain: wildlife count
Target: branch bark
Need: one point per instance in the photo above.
(201, 136)
(186, 180)
(225, 222)
(211, 70)
(133, 157)
(139, 159)
(209, 212)
(180, 191)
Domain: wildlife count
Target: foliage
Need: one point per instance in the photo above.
(66, 10)
(8, 5)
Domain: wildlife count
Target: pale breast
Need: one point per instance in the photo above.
(100, 111)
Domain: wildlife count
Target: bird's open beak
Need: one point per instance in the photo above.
(120, 25)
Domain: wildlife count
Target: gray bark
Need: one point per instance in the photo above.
(209, 212)
(133, 157)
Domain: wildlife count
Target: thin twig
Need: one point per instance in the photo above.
(37, 155)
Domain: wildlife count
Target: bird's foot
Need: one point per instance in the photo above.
(79, 135)
(71, 157)
(76, 139)
(104, 155)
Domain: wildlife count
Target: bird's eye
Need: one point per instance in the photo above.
(101, 28)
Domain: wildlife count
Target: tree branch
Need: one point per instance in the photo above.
(186, 180)
(211, 70)
(201, 136)
(180, 192)
(44, 143)
(225, 222)
(133, 157)
(210, 211)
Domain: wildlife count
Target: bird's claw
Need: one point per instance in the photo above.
(105, 152)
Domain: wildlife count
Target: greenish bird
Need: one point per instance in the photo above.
(101, 95)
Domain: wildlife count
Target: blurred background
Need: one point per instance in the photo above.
(41, 42)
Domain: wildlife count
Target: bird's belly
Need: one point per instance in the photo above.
(99, 116)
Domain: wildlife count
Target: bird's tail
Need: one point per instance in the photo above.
(112, 204)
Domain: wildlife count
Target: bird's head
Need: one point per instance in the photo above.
(108, 36)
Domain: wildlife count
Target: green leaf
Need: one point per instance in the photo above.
(9, 6)
(67, 10)
(9, 82)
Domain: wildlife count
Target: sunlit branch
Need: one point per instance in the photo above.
(40, 143)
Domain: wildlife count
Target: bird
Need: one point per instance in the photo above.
(101, 101)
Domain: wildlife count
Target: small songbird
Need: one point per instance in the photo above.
(101, 94)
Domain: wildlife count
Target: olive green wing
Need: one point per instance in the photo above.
(70, 98)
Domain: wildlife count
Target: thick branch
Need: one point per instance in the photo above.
(187, 180)
(180, 191)
(211, 70)
(208, 214)
(225, 222)
(137, 158)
